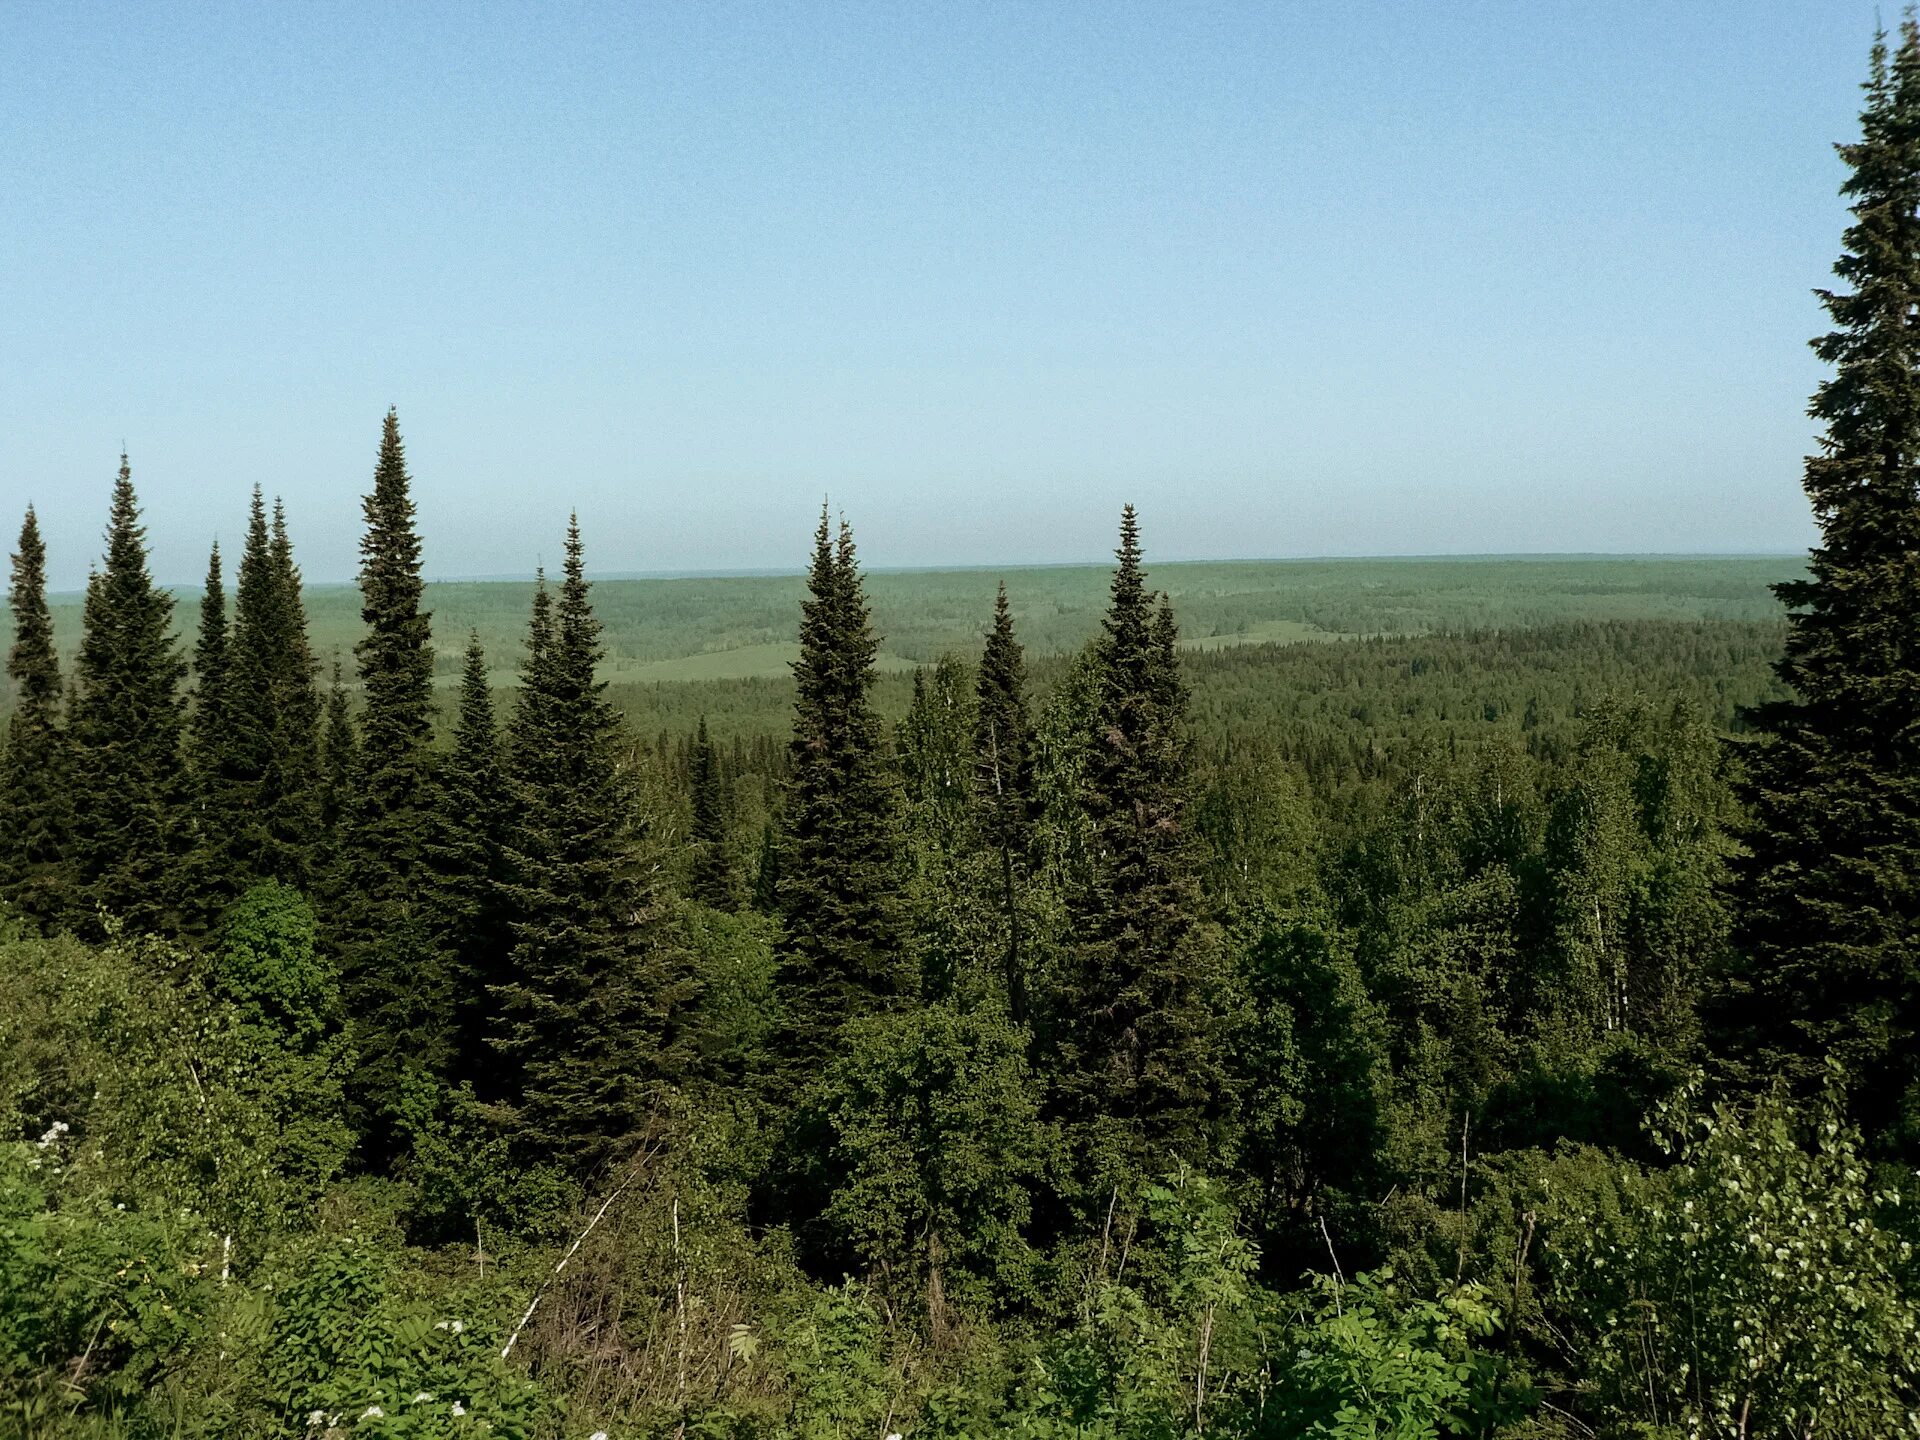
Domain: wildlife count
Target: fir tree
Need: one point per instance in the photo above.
(591, 1013)
(127, 723)
(35, 814)
(839, 861)
(1003, 777)
(711, 882)
(396, 993)
(1133, 1021)
(1830, 921)
(463, 857)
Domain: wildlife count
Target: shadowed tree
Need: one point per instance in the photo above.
(1003, 777)
(711, 882)
(591, 1012)
(396, 992)
(128, 780)
(1134, 1023)
(838, 870)
(1829, 920)
(35, 815)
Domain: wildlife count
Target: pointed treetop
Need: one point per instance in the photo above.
(31, 663)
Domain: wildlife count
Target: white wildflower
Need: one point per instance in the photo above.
(53, 1133)
(458, 1408)
(372, 1412)
(458, 1326)
(598, 1435)
(316, 1417)
(422, 1398)
(441, 1326)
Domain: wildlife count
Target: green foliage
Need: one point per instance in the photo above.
(464, 854)
(126, 733)
(1748, 1290)
(35, 878)
(935, 1142)
(592, 1014)
(1370, 1364)
(839, 849)
(98, 1304)
(837, 1375)
(346, 1353)
(1830, 923)
(398, 993)
(711, 881)
(1133, 1020)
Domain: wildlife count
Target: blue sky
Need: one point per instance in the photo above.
(1297, 279)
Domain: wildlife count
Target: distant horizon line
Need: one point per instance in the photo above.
(788, 572)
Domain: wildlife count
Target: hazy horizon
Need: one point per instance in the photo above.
(73, 593)
(1333, 280)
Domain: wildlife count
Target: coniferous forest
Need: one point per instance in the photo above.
(1140, 1043)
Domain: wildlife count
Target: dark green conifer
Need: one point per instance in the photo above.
(207, 730)
(711, 882)
(1003, 778)
(463, 857)
(396, 993)
(339, 762)
(1829, 925)
(839, 863)
(204, 888)
(1134, 1023)
(255, 735)
(35, 815)
(127, 724)
(592, 1011)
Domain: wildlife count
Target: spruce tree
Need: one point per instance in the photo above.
(591, 1013)
(339, 762)
(207, 729)
(204, 885)
(465, 837)
(711, 882)
(396, 993)
(1133, 1021)
(839, 864)
(128, 780)
(35, 814)
(262, 806)
(1003, 778)
(1829, 922)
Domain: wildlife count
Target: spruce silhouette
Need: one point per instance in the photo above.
(36, 817)
(128, 779)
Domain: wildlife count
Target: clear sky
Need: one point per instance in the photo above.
(1295, 278)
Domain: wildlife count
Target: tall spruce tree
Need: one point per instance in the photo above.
(128, 779)
(464, 846)
(591, 1013)
(205, 886)
(207, 729)
(35, 815)
(839, 859)
(262, 809)
(1003, 778)
(1829, 922)
(1134, 1022)
(396, 993)
(711, 882)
